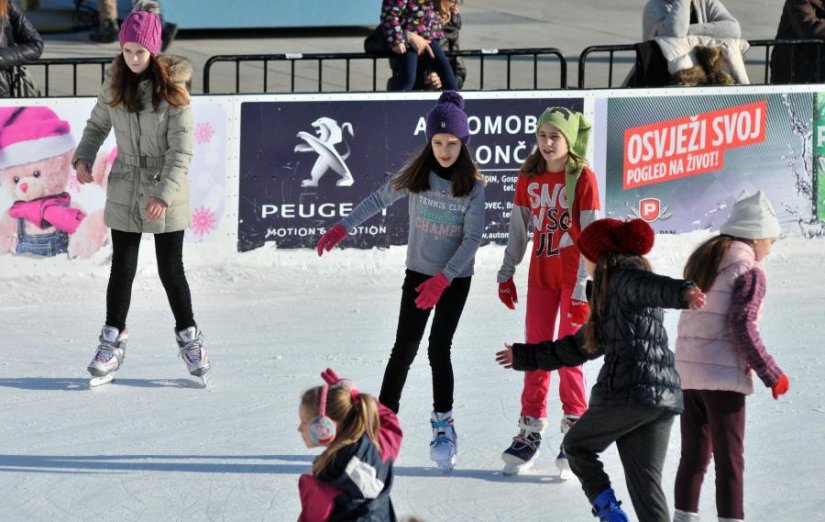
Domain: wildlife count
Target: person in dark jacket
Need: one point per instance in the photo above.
(19, 43)
(352, 478)
(800, 20)
(638, 391)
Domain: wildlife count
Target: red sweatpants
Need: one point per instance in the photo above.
(544, 306)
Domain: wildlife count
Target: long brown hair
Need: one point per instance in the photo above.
(4, 9)
(415, 174)
(124, 85)
(353, 419)
(535, 164)
(703, 264)
(601, 288)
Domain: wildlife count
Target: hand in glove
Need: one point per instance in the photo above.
(507, 293)
(429, 292)
(579, 312)
(331, 238)
(781, 386)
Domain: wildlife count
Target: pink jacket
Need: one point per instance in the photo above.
(719, 347)
(362, 480)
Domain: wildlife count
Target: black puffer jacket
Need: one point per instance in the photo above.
(23, 44)
(638, 365)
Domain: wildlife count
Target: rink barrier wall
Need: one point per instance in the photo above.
(278, 170)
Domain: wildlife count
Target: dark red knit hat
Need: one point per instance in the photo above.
(634, 237)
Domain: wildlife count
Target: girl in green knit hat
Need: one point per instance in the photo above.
(556, 197)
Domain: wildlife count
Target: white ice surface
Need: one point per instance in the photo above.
(155, 446)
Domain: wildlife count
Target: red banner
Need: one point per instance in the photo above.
(690, 145)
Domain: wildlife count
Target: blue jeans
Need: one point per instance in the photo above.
(49, 245)
(404, 69)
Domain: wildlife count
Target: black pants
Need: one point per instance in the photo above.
(641, 434)
(411, 324)
(169, 254)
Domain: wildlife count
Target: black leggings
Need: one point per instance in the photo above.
(411, 324)
(169, 254)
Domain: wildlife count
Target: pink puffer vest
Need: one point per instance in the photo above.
(705, 357)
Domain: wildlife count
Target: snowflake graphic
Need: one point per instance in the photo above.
(204, 133)
(203, 221)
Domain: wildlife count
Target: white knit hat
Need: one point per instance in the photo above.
(752, 217)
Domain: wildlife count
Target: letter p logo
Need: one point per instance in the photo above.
(649, 209)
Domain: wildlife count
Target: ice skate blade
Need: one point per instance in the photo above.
(445, 467)
(516, 469)
(94, 382)
(566, 474)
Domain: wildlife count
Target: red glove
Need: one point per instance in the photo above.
(429, 292)
(579, 312)
(781, 386)
(507, 293)
(331, 238)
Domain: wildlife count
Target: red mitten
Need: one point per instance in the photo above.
(781, 386)
(507, 293)
(331, 238)
(429, 292)
(579, 312)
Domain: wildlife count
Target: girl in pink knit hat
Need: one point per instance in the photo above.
(718, 351)
(637, 393)
(145, 99)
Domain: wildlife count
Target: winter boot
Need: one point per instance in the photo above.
(110, 353)
(190, 342)
(685, 516)
(107, 32)
(607, 508)
(444, 446)
(562, 464)
(522, 453)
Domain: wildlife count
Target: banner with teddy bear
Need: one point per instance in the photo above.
(45, 212)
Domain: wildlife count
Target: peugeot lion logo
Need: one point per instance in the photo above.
(329, 134)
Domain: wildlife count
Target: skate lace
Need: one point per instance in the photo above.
(105, 351)
(192, 349)
(524, 438)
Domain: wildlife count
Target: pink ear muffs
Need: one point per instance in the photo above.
(322, 428)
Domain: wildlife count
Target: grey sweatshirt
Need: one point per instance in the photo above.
(445, 231)
(672, 18)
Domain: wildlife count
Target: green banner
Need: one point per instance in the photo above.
(819, 156)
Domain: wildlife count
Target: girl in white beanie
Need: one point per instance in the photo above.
(718, 349)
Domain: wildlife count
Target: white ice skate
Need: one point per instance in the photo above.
(524, 450)
(190, 343)
(562, 464)
(444, 446)
(111, 350)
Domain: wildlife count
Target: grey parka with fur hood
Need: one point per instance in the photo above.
(153, 156)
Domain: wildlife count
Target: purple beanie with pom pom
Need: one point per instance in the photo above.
(448, 117)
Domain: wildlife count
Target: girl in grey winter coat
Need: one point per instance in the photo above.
(145, 100)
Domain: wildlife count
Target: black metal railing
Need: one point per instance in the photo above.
(628, 55)
(67, 76)
(358, 72)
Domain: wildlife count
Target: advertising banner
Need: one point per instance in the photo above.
(680, 162)
(37, 142)
(306, 164)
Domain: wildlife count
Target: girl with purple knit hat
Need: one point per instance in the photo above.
(145, 99)
(718, 351)
(446, 208)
